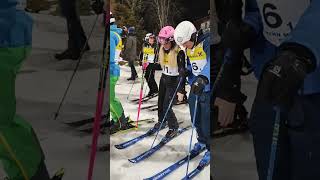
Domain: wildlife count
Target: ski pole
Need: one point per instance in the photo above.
(193, 121)
(134, 81)
(275, 137)
(75, 69)
(99, 105)
(140, 98)
(130, 90)
(165, 115)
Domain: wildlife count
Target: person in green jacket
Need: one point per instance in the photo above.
(20, 152)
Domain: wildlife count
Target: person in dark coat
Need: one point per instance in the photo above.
(130, 52)
(76, 35)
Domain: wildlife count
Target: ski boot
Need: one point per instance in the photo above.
(152, 94)
(198, 147)
(205, 159)
(171, 133)
(115, 127)
(125, 123)
(132, 78)
(157, 126)
(73, 54)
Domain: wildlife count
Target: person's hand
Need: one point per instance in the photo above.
(183, 72)
(198, 85)
(145, 65)
(180, 97)
(226, 111)
(283, 77)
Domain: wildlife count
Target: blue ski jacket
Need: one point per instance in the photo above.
(266, 15)
(205, 39)
(115, 35)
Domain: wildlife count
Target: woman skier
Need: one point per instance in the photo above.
(148, 58)
(168, 59)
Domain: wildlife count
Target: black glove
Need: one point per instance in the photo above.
(284, 75)
(183, 72)
(97, 6)
(199, 84)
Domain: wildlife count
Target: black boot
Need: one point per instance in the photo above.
(125, 123)
(132, 78)
(152, 94)
(171, 133)
(73, 54)
(157, 125)
(115, 127)
(68, 54)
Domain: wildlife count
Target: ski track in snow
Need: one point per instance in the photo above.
(120, 167)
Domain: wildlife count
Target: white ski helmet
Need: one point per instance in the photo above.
(112, 19)
(183, 32)
(147, 36)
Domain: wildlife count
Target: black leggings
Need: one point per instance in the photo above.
(167, 87)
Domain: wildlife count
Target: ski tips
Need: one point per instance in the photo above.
(118, 147)
(132, 160)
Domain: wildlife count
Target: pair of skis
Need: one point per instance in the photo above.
(156, 148)
(135, 140)
(164, 173)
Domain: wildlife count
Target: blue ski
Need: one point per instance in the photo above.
(174, 166)
(151, 151)
(135, 140)
(195, 172)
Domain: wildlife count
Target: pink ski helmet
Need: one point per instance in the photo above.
(166, 34)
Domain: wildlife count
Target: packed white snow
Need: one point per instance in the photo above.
(120, 167)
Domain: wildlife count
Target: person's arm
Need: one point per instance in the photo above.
(113, 43)
(206, 69)
(304, 39)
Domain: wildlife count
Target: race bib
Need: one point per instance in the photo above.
(169, 69)
(148, 54)
(280, 17)
(198, 59)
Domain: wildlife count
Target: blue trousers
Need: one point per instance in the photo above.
(202, 121)
(298, 148)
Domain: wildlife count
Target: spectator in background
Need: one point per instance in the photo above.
(76, 35)
(130, 52)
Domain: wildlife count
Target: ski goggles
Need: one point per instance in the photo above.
(163, 40)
